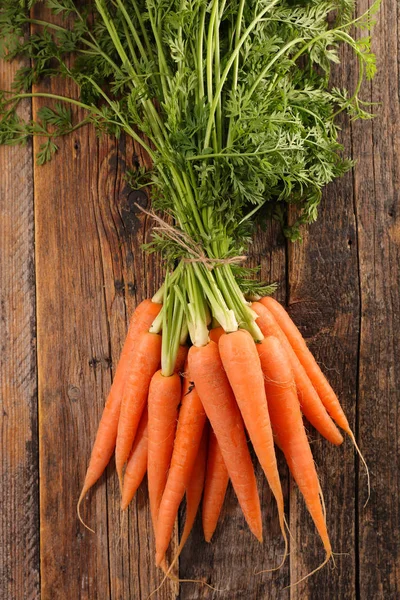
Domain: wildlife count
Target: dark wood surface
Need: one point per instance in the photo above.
(72, 272)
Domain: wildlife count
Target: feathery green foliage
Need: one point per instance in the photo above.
(234, 98)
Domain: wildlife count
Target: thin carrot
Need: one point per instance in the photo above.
(194, 492)
(181, 359)
(145, 362)
(163, 401)
(216, 483)
(242, 365)
(104, 444)
(317, 378)
(287, 422)
(323, 388)
(216, 333)
(136, 466)
(187, 441)
(310, 402)
(223, 413)
(195, 488)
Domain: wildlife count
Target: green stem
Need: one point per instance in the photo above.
(236, 63)
(228, 68)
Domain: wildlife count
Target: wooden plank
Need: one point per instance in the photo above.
(323, 299)
(84, 235)
(377, 184)
(72, 330)
(229, 562)
(19, 474)
(130, 276)
(91, 273)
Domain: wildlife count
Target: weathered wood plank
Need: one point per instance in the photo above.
(19, 473)
(130, 276)
(377, 184)
(323, 299)
(89, 233)
(71, 331)
(229, 562)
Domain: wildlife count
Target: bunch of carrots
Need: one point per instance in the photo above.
(187, 430)
(232, 106)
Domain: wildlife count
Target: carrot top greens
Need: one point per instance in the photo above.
(235, 105)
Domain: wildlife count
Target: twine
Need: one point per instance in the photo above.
(182, 239)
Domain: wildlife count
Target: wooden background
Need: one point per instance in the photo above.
(71, 274)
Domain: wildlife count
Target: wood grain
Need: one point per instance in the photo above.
(323, 299)
(89, 272)
(377, 184)
(19, 475)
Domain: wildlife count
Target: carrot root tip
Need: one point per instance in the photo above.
(360, 454)
(78, 510)
(329, 556)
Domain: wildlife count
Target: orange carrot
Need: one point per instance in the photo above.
(164, 398)
(217, 480)
(194, 492)
(287, 422)
(181, 359)
(145, 363)
(317, 378)
(136, 466)
(242, 365)
(310, 402)
(104, 444)
(187, 441)
(213, 387)
(195, 488)
(216, 333)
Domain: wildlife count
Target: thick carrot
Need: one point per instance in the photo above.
(317, 378)
(163, 402)
(181, 359)
(242, 365)
(145, 362)
(187, 441)
(310, 402)
(195, 488)
(104, 444)
(213, 387)
(287, 422)
(216, 483)
(136, 466)
(216, 333)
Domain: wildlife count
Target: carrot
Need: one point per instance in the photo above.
(104, 444)
(187, 441)
(242, 365)
(317, 378)
(145, 363)
(164, 398)
(213, 387)
(195, 488)
(216, 483)
(194, 492)
(181, 359)
(216, 333)
(136, 466)
(287, 422)
(310, 402)
(314, 373)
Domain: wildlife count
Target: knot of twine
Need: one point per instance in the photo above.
(194, 250)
